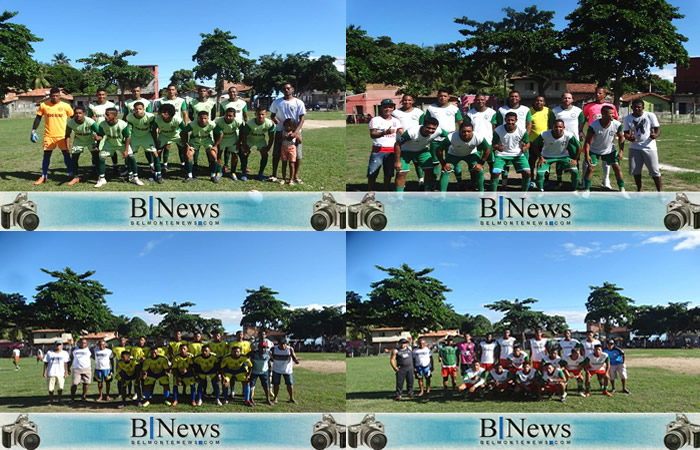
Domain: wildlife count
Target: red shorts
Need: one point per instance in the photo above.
(487, 366)
(449, 371)
(536, 365)
(553, 388)
(501, 386)
(596, 372)
(574, 373)
(504, 363)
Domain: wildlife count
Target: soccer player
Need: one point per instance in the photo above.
(82, 369)
(571, 115)
(516, 359)
(592, 112)
(448, 358)
(228, 128)
(287, 107)
(467, 353)
(136, 97)
(589, 344)
(572, 363)
(156, 368)
(166, 132)
(195, 347)
(552, 357)
(291, 140)
(560, 147)
(617, 365)
(260, 360)
(474, 379)
(116, 137)
(540, 117)
(599, 145)
(447, 115)
(487, 352)
(505, 347)
(241, 342)
(128, 371)
(409, 117)
(468, 147)
(97, 111)
(178, 103)
(15, 358)
(412, 145)
(527, 381)
(140, 352)
(56, 114)
(103, 368)
(236, 367)
(482, 117)
(202, 103)
(553, 381)
(85, 130)
(56, 370)
(597, 364)
(538, 349)
(183, 373)
(499, 380)
(141, 123)
(218, 347)
(253, 134)
(641, 128)
(383, 130)
(423, 366)
(241, 108)
(524, 120)
(117, 351)
(207, 368)
(567, 344)
(175, 344)
(510, 144)
(200, 140)
(402, 362)
(282, 357)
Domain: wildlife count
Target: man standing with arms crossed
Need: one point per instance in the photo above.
(383, 130)
(56, 114)
(287, 107)
(402, 362)
(641, 128)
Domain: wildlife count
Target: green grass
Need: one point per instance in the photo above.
(322, 167)
(25, 390)
(371, 383)
(324, 115)
(677, 147)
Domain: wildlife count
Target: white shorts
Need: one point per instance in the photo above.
(53, 381)
(619, 369)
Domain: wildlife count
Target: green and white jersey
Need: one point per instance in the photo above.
(179, 103)
(413, 141)
(458, 147)
(129, 104)
(448, 356)
(200, 136)
(83, 132)
(538, 349)
(572, 117)
(239, 105)
(231, 131)
(565, 346)
(547, 378)
(169, 132)
(499, 377)
(511, 141)
(556, 362)
(604, 138)
(526, 378)
(523, 112)
(97, 112)
(518, 361)
(505, 346)
(557, 147)
(141, 130)
(409, 119)
(573, 364)
(447, 115)
(113, 135)
(595, 363)
(258, 133)
(208, 105)
(475, 377)
(482, 121)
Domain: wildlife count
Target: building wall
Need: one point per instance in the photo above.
(528, 89)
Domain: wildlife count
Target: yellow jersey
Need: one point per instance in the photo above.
(127, 370)
(139, 353)
(155, 368)
(244, 345)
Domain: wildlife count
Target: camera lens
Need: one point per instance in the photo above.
(321, 439)
(375, 220)
(321, 220)
(675, 220)
(28, 439)
(27, 219)
(376, 440)
(674, 440)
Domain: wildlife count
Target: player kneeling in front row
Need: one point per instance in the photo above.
(600, 145)
(573, 368)
(141, 123)
(166, 132)
(527, 381)
(412, 145)
(200, 140)
(183, 371)
(557, 146)
(499, 380)
(227, 141)
(128, 371)
(464, 146)
(553, 381)
(85, 130)
(597, 364)
(236, 367)
(475, 378)
(116, 137)
(156, 368)
(253, 134)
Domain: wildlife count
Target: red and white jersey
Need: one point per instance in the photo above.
(588, 347)
(556, 362)
(573, 364)
(526, 378)
(517, 361)
(499, 377)
(506, 346)
(596, 363)
(381, 124)
(547, 378)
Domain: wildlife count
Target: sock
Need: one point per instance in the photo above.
(225, 389)
(196, 157)
(621, 183)
(74, 161)
(95, 159)
(227, 156)
(479, 180)
(67, 161)
(134, 166)
(540, 180)
(246, 392)
(524, 183)
(216, 389)
(574, 178)
(156, 163)
(102, 167)
(419, 172)
(212, 167)
(218, 168)
(166, 393)
(263, 163)
(114, 159)
(494, 183)
(188, 167)
(444, 181)
(587, 183)
(193, 392)
(429, 185)
(166, 153)
(244, 163)
(45, 164)
(400, 188)
(175, 393)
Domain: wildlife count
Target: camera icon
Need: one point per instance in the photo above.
(327, 432)
(20, 213)
(328, 213)
(23, 433)
(369, 433)
(369, 213)
(681, 432)
(680, 213)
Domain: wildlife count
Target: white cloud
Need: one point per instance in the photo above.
(593, 250)
(667, 73)
(225, 315)
(574, 318)
(460, 242)
(150, 245)
(150, 319)
(683, 240)
(448, 264)
(619, 246)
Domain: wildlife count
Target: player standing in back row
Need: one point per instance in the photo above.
(447, 115)
(641, 128)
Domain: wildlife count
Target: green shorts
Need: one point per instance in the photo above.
(471, 159)
(610, 158)
(146, 144)
(519, 162)
(563, 163)
(434, 145)
(423, 158)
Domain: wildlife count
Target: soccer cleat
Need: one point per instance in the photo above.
(101, 182)
(421, 182)
(261, 177)
(563, 398)
(199, 402)
(74, 181)
(134, 397)
(159, 180)
(165, 169)
(624, 193)
(272, 179)
(249, 403)
(252, 402)
(225, 402)
(607, 394)
(213, 179)
(586, 394)
(122, 173)
(136, 181)
(626, 391)
(42, 179)
(606, 184)
(581, 394)
(187, 179)
(218, 402)
(194, 404)
(146, 404)
(234, 177)
(244, 178)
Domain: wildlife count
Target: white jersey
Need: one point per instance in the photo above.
(588, 347)
(557, 147)
(556, 362)
(408, 119)
(499, 377)
(380, 124)
(522, 111)
(103, 359)
(518, 361)
(573, 364)
(604, 138)
(538, 349)
(15, 353)
(506, 346)
(56, 362)
(97, 112)
(565, 346)
(81, 358)
(511, 141)
(526, 378)
(641, 126)
(282, 360)
(458, 147)
(596, 363)
(482, 121)
(413, 141)
(177, 102)
(556, 374)
(422, 356)
(475, 377)
(287, 109)
(447, 116)
(571, 117)
(488, 352)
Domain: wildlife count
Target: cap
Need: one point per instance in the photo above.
(403, 341)
(388, 101)
(58, 342)
(611, 341)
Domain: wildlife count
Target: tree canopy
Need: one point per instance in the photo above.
(519, 317)
(608, 307)
(116, 70)
(17, 68)
(261, 308)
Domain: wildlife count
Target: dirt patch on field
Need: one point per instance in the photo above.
(690, 366)
(315, 124)
(333, 366)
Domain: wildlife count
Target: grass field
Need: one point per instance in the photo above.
(324, 115)
(371, 384)
(677, 147)
(319, 387)
(322, 168)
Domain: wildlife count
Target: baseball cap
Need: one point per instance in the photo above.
(58, 342)
(388, 101)
(611, 341)
(403, 341)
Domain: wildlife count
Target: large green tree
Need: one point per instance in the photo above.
(178, 317)
(41, 74)
(672, 320)
(73, 301)
(608, 307)
(362, 57)
(134, 328)
(16, 316)
(117, 71)
(613, 42)
(183, 79)
(17, 68)
(519, 317)
(261, 308)
(66, 77)
(325, 323)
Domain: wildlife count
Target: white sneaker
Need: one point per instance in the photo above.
(218, 402)
(199, 402)
(136, 181)
(421, 181)
(134, 397)
(586, 194)
(606, 184)
(101, 182)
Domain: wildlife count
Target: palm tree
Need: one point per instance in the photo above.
(40, 80)
(60, 59)
(490, 78)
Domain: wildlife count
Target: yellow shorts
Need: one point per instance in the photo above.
(51, 143)
(163, 380)
(237, 377)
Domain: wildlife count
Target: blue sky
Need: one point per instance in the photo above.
(437, 20)
(83, 29)
(557, 268)
(209, 269)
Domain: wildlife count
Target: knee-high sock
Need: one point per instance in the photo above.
(263, 163)
(246, 391)
(67, 161)
(45, 164)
